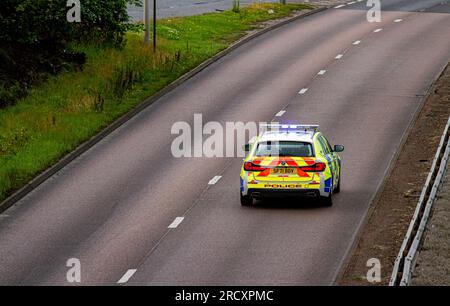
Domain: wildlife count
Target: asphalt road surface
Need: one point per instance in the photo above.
(112, 206)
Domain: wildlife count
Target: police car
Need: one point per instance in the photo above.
(290, 160)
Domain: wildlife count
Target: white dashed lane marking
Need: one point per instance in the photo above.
(280, 113)
(176, 222)
(214, 180)
(339, 56)
(357, 42)
(322, 72)
(126, 277)
(303, 91)
(339, 6)
(398, 20)
(378, 30)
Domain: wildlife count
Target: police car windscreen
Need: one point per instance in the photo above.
(284, 148)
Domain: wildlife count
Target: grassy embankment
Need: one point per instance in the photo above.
(65, 111)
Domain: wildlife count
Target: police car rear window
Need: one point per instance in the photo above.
(284, 148)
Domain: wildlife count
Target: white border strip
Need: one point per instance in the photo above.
(126, 277)
(176, 222)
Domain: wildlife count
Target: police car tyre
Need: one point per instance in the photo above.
(338, 187)
(327, 201)
(246, 200)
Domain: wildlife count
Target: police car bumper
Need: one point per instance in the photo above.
(283, 193)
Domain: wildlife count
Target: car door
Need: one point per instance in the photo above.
(331, 158)
(337, 164)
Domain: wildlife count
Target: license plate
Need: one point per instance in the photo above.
(286, 186)
(282, 171)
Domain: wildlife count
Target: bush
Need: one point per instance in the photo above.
(34, 35)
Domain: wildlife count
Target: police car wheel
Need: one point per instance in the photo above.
(246, 200)
(327, 201)
(338, 187)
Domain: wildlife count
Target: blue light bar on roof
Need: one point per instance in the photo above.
(289, 127)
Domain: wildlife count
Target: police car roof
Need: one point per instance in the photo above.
(303, 136)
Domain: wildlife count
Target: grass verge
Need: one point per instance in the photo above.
(68, 109)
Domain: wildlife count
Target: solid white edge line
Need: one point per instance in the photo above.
(303, 91)
(322, 72)
(176, 222)
(126, 277)
(214, 180)
(280, 113)
(339, 56)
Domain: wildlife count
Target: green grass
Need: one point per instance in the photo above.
(65, 111)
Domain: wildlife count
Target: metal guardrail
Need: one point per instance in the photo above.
(406, 260)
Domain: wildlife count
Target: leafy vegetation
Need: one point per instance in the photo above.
(34, 35)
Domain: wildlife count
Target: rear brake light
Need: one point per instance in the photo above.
(318, 167)
(248, 166)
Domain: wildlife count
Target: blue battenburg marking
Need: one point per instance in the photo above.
(329, 163)
(242, 184)
(327, 183)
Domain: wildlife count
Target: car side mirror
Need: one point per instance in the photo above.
(338, 148)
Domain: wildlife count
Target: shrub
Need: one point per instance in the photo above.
(34, 35)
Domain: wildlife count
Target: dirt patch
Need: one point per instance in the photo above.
(390, 215)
